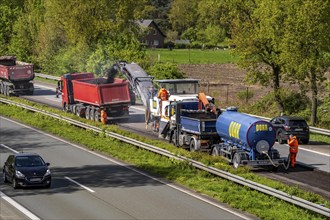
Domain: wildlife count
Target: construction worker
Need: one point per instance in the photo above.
(293, 145)
(57, 92)
(104, 117)
(163, 94)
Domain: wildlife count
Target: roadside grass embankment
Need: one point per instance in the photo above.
(243, 198)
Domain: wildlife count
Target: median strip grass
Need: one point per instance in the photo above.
(239, 197)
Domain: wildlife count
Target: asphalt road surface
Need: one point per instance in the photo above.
(87, 185)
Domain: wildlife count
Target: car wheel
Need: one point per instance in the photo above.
(5, 180)
(48, 185)
(280, 138)
(305, 141)
(15, 184)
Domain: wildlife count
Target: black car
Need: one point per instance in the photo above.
(286, 125)
(26, 169)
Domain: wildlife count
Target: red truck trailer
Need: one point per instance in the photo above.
(15, 76)
(86, 96)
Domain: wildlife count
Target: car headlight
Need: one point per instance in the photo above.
(47, 172)
(19, 174)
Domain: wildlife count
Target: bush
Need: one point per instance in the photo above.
(245, 95)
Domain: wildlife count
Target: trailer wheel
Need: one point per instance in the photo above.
(215, 151)
(236, 160)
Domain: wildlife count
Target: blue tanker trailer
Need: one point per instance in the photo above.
(246, 140)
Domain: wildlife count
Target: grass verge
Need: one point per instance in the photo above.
(192, 56)
(243, 198)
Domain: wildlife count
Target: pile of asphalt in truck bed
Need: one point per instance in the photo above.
(110, 73)
(8, 60)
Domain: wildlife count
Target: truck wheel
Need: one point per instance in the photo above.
(92, 114)
(173, 138)
(87, 113)
(74, 109)
(97, 116)
(192, 145)
(78, 111)
(236, 160)
(5, 90)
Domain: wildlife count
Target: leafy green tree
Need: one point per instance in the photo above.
(183, 15)
(72, 31)
(26, 29)
(306, 45)
(257, 28)
(10, 11)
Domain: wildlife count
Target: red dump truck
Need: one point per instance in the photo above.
(86, 96)
(15, 76)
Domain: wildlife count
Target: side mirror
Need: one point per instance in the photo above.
(47, 164)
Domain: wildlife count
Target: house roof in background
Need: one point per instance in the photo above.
(147, 22)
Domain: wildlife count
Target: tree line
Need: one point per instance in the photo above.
(276, 40)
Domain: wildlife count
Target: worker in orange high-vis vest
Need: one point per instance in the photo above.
(104, 117)
(293, 145)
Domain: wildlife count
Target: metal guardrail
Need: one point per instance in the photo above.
(312, 129)
(223, 174)
(47, 76)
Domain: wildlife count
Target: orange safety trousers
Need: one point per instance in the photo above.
(293, 144)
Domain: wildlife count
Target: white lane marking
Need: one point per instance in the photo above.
(138, 171)
(11, 149)
(81, 185)
(137, 108)
(315, 152)
(18, 206)
(54, 99)
(46, 87)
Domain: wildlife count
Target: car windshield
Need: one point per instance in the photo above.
(298, 123)
(29, 161)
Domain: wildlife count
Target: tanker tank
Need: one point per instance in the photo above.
(246, 131)
(245, 140)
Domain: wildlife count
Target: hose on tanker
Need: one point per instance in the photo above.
(286, 166)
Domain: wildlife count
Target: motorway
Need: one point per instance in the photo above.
(87, 185)
(315, 155)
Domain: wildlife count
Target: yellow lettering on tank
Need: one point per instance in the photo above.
(234, 129)
(261, 127)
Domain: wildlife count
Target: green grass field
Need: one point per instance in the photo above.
(192, 56)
